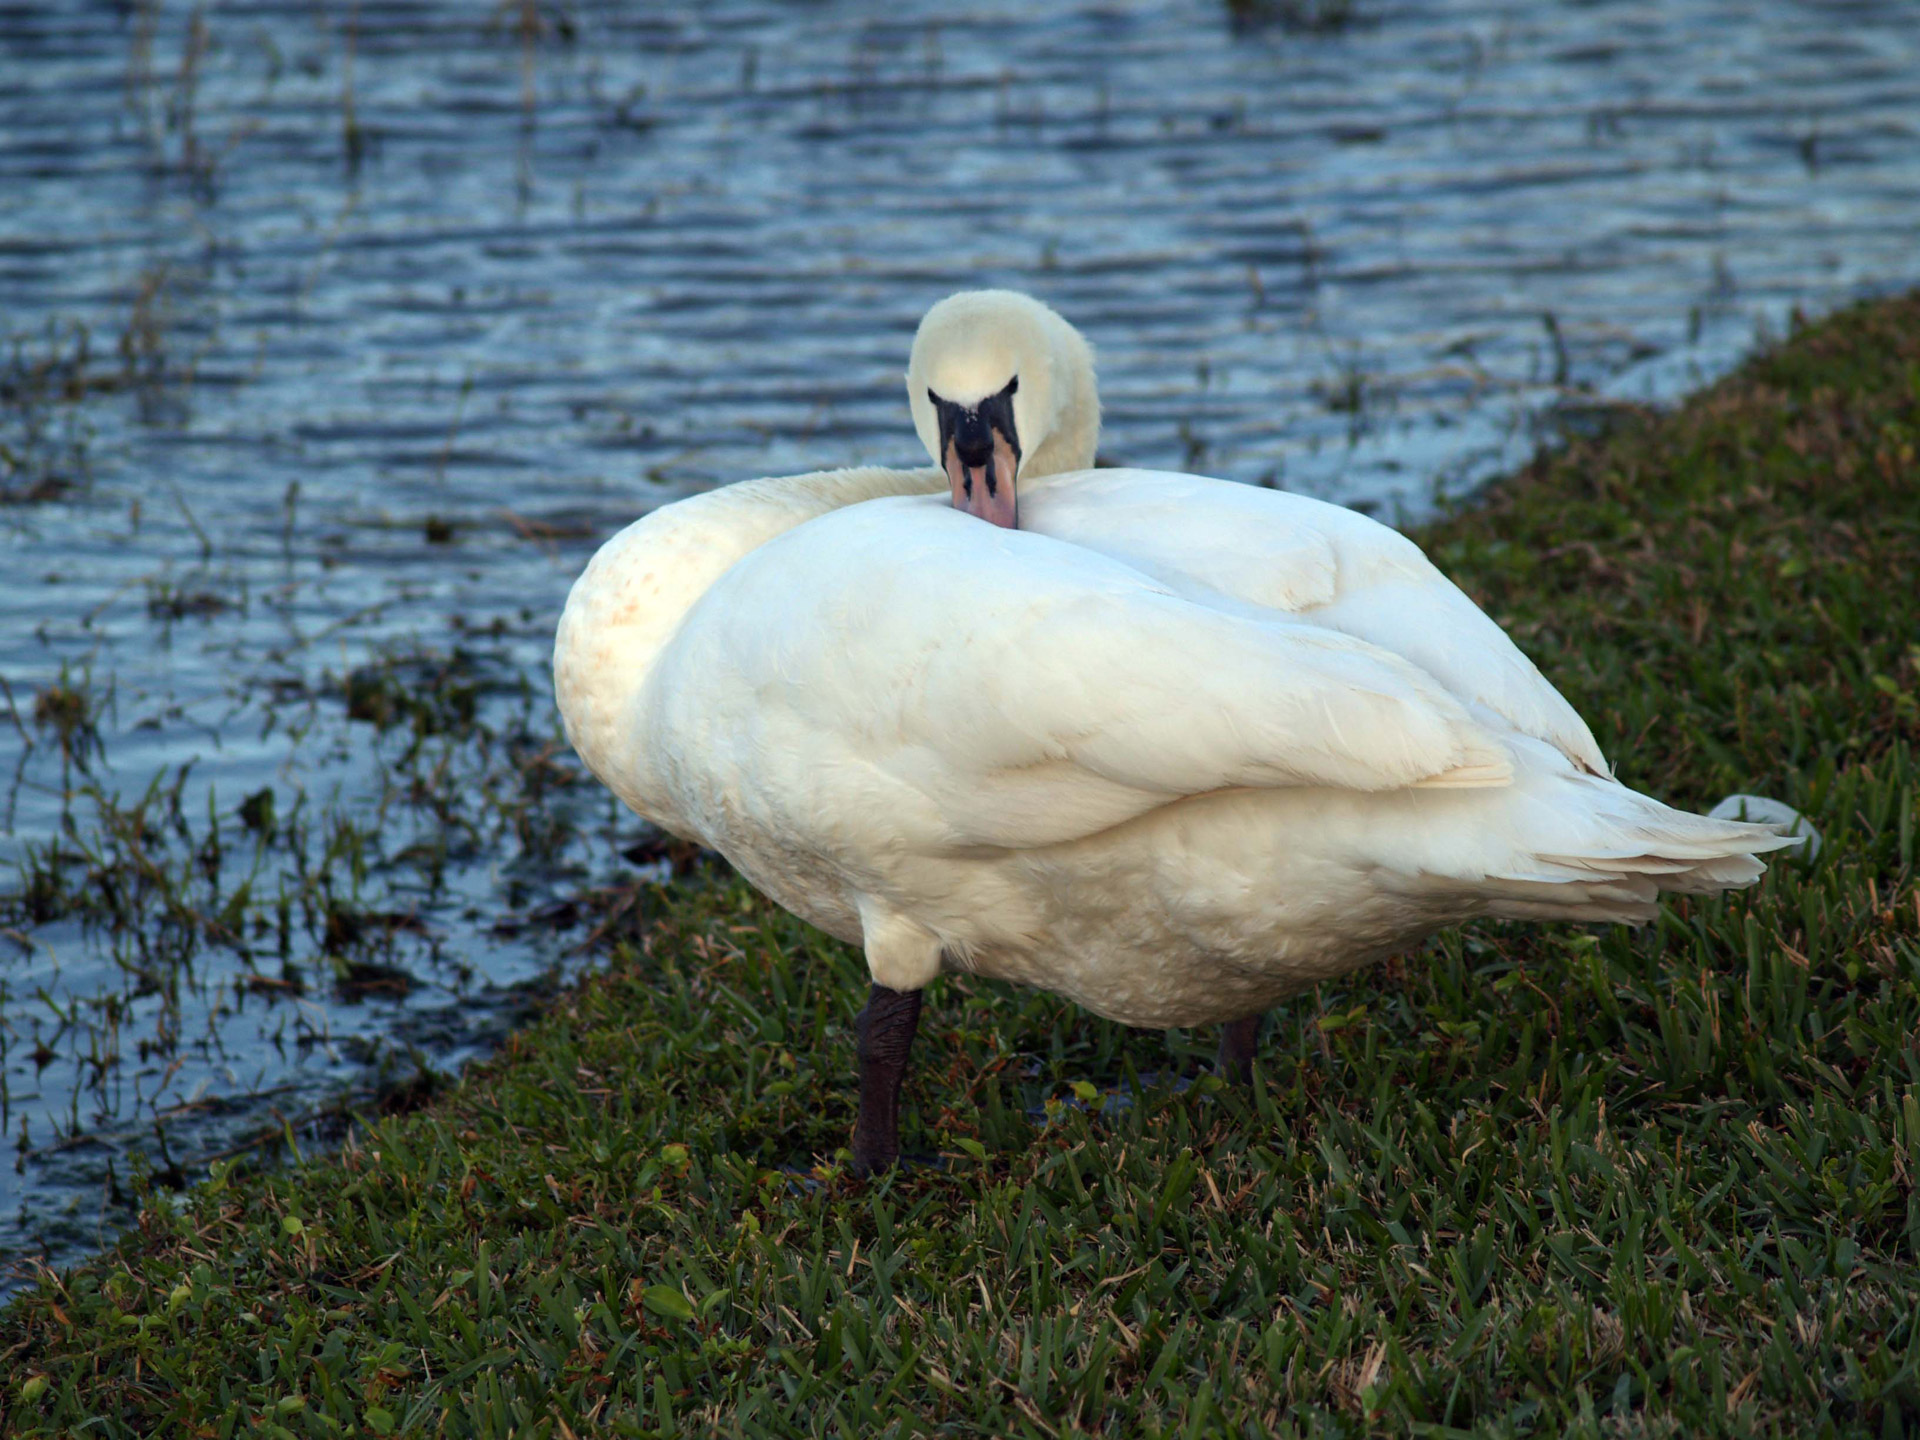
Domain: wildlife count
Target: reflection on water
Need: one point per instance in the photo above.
(339, 334)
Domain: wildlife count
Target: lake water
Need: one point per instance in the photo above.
(339, 334)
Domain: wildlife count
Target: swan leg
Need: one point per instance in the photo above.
(886, 1028)
(1238, 1041)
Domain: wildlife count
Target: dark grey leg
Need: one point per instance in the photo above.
(886, 1029)
(1238, 1041)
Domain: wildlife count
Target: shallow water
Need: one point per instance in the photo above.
(342, 333)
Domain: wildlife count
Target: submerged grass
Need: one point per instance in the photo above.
(1525, 1181)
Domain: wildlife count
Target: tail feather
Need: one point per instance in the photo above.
(1630, 848)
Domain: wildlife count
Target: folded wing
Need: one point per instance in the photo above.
(899, 663)
(1322, 564)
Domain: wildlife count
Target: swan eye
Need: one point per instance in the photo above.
(1013, 386)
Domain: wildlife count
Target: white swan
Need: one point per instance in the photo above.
(1174, 747)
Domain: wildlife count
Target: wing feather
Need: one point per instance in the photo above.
(995, 687)
(1324, 564)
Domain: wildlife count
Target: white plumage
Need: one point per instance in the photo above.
(1176, 748)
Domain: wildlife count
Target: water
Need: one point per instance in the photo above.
(342, 334)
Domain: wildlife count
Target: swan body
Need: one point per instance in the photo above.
(1173, 747)
(1177, 748)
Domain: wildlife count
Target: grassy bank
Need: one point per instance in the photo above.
(1526, 1181)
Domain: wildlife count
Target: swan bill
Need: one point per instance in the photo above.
(980, 451)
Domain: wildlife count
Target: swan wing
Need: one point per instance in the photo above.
(974, 686)
(1324, 564)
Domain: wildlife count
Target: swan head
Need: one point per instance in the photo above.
(1003, 393)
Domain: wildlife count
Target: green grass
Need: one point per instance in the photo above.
(1524, 1181)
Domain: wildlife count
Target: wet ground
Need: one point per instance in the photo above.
(338, 334)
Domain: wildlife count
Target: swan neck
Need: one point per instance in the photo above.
(1074, 438)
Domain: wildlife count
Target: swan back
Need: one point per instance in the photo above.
(1324, 564)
